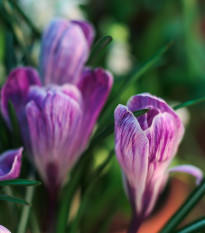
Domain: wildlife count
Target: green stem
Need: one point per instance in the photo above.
(188, 205)
(22, 226)
(34, 223)
(196, 226)
(66, 203)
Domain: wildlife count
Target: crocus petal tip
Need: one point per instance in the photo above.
(189, 169)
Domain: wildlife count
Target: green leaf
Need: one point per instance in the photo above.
(141, 112)
(130, 80)
(183, 210)
(20, 182)
(189, 103)
(66, 203)
(196, 226)
(86, 197)
(5, 197)
(25, 213)
(16, 6)
(99, 49)
(143, 68)
(15, 124)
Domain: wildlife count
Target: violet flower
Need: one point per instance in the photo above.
(4, 229)
(10, 164)
(57, 117)
(145, 146)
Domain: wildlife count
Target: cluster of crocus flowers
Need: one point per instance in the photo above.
(58, 112)
(145, 146)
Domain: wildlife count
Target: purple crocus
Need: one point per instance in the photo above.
(4, 229)
(10, 164)
(145, 146)
(57, 114)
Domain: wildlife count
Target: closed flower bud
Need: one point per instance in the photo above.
(145, 147)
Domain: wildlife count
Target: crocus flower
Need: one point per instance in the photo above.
(145, 146)
(10, 164)
(4, 229)
(57, 115)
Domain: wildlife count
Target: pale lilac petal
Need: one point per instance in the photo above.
(192, 170)
(156, 106)
(64, 52)
(4, 229)
(87, 29)
(54, 125)
(156, 179)
(10, 164)
(95, 87)
(38, 94)
(16, 90)
(132, 148)
(164, 137)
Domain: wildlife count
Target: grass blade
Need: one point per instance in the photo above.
(182, 212)
(189, 103)
(5, 197)
(66, 203)
(14, 3)
(99, 49)
(196, 226)
(20, 182)
(22, 226)
(131, 80)
(15, 125)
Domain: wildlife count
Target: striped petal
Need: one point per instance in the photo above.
(10, 164)
(95, 86)
(164, 137)
(132, 148)
(16, 90)
(54, 126)
(87, 29)
(190, 169)
(64, 52)
(156, 106)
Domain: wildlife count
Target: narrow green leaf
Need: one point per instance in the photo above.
(25, 213)
(196, 226)
(66, 203)
(141, 112)
(183, 210)
(112, 210)
(15, 124)
(86, 197)
(5, 197)
(98, 49)
(19, 182)
(189, 103)
(131, 80)
(99, 170)
(143, 69)
(15, 4)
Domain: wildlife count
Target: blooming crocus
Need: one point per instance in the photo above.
(145, 146)
(10, 164)
(4, 229)
(57, 115)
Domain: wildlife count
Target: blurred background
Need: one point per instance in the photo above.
(168, 33)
